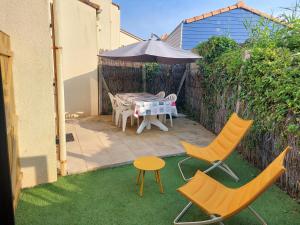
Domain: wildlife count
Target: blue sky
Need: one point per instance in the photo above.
(142, 17)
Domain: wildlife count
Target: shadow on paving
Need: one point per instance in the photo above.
(110, 197)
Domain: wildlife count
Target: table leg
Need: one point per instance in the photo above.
(142, 184)
(149, 125)
(138, 177)
(148, 120)
(160, 184)
(142, 126)
(156, 177)
(159, 124)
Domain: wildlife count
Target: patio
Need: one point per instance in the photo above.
(98, 143)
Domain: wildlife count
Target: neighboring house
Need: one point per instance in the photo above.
(229, 21)
(127, 38)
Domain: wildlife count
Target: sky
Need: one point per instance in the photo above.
(143, 17)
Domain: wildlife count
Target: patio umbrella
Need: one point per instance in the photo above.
(152, 50)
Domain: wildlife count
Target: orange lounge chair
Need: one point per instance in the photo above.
(221, 202)
(221, 147)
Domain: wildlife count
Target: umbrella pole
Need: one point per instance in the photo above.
(144, 78)
(183, 78)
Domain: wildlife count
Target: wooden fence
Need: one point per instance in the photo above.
(11, 117)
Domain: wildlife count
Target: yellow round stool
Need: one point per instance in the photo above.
(149, 163)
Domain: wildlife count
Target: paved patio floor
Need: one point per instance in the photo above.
(98, 143)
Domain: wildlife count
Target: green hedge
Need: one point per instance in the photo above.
(263, 76)
(268, 75)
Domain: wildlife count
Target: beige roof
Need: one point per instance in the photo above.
(131, 35)
(93, 5)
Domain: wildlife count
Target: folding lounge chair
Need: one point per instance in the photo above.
(221, 147)
(221, 202)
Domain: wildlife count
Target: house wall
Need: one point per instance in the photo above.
(174, 39)
(115, 25)
(126, 39)
(33, 86)
(231, 23)
(79, 57)
(109, 25)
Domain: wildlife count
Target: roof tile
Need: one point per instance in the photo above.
(240, 4)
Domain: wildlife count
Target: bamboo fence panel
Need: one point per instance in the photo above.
(167, 79)
(120, 77)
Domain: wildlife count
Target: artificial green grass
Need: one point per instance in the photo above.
(110, 197)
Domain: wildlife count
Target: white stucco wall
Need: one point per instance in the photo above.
(115, 26)
(79, 62)
(27, 23)
(109, 29)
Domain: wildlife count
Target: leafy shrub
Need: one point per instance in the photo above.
(152, 69)
(215, 47)
(269, 81)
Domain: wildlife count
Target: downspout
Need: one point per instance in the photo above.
(98, 27)
(60, 88)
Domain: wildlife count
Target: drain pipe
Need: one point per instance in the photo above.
(99, 66)
(60, 89)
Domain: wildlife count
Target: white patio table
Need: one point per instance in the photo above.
(149, 106)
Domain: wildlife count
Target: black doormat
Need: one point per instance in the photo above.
(69, 138)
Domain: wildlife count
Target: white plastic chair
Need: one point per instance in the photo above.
(173, 98)
(161, 94)
(113, 104)
(124, 110)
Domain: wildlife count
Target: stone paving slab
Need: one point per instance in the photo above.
(99, 144)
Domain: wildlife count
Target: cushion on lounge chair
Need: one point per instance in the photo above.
(216, 199)
(222, 146)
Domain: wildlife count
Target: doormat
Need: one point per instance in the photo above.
(69, 138)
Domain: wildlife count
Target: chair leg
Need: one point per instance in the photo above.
(227, 170)
(171, 120)
(213, 166)
(138, 177)
(113, 115)
(159, 182)
(131, 120)
(124, 121)
(117, 118)
(142, 184)
(180, 169)
(214, 219)
(263, 222)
